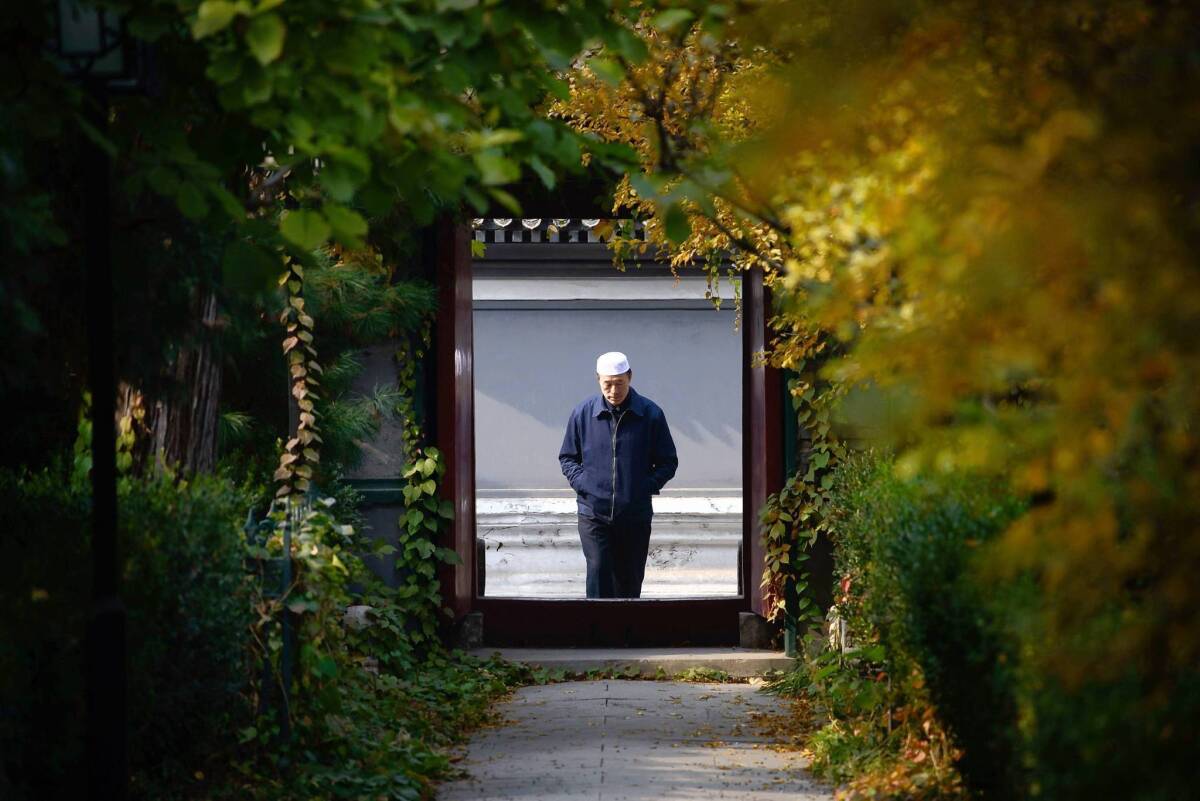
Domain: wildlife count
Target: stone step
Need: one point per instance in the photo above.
(737, 662)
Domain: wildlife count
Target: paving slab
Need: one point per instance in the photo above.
(737, 662)
(650, 741)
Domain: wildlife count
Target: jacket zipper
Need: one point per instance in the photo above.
(612, 511)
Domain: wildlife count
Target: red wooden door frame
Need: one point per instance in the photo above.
(515, 621)
(455, 412)
(762, 432)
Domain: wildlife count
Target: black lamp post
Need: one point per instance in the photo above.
(91, 49)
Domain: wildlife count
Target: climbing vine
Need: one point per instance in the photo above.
(795, 517)
(409, 357)
(301, 453)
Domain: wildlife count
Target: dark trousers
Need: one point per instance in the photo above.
(616, 556)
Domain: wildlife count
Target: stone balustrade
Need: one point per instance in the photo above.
(532, 547)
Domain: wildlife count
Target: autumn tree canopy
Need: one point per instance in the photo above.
(979, 223)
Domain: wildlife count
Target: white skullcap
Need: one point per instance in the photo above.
(612, 363)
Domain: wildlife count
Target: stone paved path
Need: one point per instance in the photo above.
(629, 741)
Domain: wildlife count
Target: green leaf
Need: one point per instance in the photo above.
(543, 172)
(348, 225)
(340, 181)
(647, 186)
(212, 16)
(628, 44)
(454, 5)
(495, 168)
(873, 653)
(825, 672)
(505, 199)
(191, 201)
(226, 200)
(557, 88)
(607, 70)
(225, 68)
(162, 180)
(448, 30)
(306, 229)
(257, 89)
(496, 138)
(264, 37)
(669, 20)
(326, 666)
(676, 225)
(247, 268)
(625, 43)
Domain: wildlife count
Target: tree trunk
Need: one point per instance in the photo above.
(183, 426)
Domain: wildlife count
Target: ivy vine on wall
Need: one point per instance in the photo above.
(301, 453)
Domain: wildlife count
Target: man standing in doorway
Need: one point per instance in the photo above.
(616, 453)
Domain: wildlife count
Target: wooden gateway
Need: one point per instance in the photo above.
(561, 260)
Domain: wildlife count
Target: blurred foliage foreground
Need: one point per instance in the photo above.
(979, 224)
(371, 708)
(933, 682)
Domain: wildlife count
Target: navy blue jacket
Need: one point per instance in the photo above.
(617, 486)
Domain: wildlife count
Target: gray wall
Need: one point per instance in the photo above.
(532, 365)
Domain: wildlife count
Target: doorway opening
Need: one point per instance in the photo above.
(546, 300)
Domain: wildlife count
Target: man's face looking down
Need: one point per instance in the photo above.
(615, 388)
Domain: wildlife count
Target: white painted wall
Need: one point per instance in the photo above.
(532, 366)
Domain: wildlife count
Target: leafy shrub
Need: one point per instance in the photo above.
(371, 706)
(942, 637)
(181, 546)
(45, 587)
(371, 709)
(927, 533)
(188, 600)
(1113, 736)
(924, 653)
